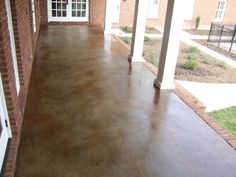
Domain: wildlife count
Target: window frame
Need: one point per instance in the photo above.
(220, 11)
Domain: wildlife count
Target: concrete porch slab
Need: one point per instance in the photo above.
(92, 114)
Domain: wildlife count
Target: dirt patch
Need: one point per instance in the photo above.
(197, 32)
(148, 30)
(180, 70)
(217, 49)
(151, 30)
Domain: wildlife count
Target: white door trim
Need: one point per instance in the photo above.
(13, 47)
(68, 17)
(6, 131)
(33, 16)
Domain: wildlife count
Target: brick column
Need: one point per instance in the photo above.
(140, 16)
(170, 45)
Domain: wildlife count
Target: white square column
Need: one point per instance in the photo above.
(140, 16)
(170, 44)
(108, 17)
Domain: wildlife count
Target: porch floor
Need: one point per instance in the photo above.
(91, 114)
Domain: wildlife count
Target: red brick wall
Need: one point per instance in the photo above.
(230, 13)
(7, 74)
(207, 14)
(23, 39)
(25, 44)
(127, 12)
(43, 11)
(37, 18)
(96, 12)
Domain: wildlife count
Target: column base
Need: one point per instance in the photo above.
(165, 85)
(136, 59)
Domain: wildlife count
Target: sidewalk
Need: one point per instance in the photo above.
(213, 96)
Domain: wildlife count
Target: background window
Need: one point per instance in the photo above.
(220, 11)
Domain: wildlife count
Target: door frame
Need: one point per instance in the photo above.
(33, 16)
(6, 130)
(69, 17)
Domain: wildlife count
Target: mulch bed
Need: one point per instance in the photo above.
(150, 30)
(197, 32)
(180, 70)
(217, 49)
(211, 73)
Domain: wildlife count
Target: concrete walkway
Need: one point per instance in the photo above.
(213, 96)
(90, 113)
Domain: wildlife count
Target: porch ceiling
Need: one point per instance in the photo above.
(89, 114)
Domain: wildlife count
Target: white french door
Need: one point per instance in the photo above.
(68, 10)
(5, 133)
(153, 8)
(115, 11)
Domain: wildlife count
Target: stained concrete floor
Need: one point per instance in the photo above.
(90, 114)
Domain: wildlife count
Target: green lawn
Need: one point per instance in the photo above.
(226, 118)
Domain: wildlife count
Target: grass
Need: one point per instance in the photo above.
(208, 60)
(193, 49)
(154, 59)
(127, 29)
(193, 56)
(222, 64)
(146, 39)
(127, 40)
(226, 118)
(190, 64)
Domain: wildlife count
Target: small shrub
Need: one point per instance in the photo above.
(155, 58)
(190, 64)
(127, 29)
(208, 60)
(127, 40)
(192, 56)
(197, 22)
(222, 64)
(194, 49)
(146, 39)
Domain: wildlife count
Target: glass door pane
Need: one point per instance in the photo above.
(68, 10)
(59, 8)
(79, 10)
